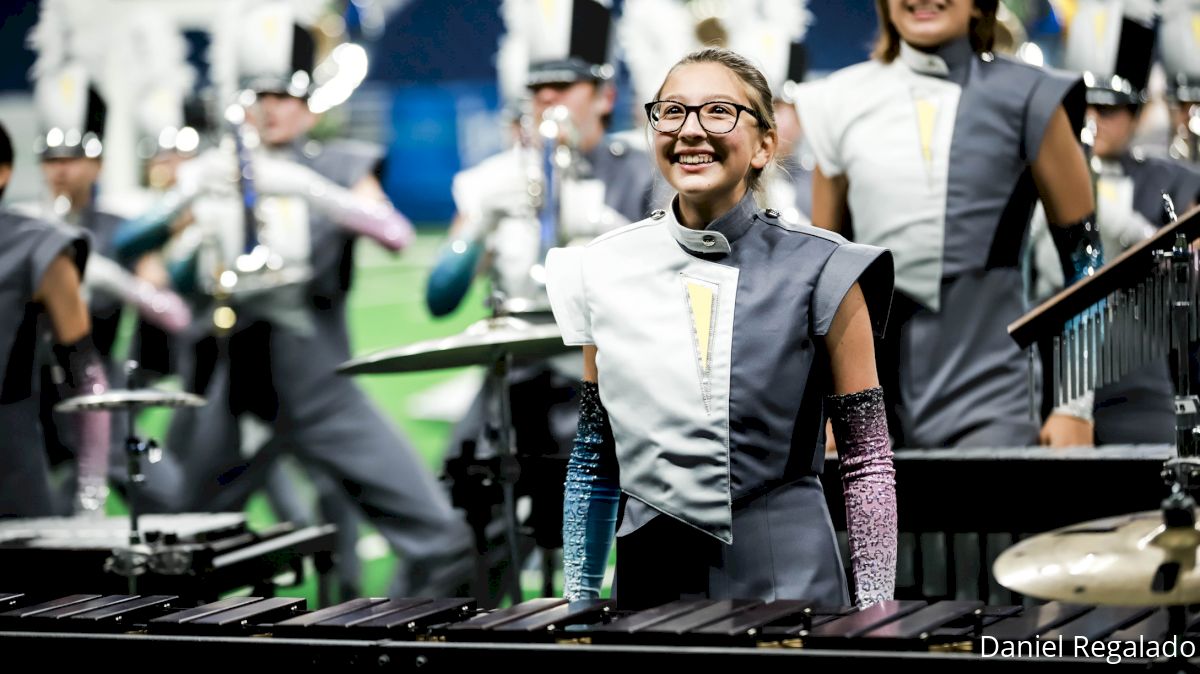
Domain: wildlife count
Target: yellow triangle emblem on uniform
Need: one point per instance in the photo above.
(700, 301)
(926, 122)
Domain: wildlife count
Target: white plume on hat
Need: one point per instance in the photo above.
(512, 56)
(166, 79)
(73, 31)
(71, 39)
(765, 34)
(1178, 38)
(264, 45)
(655, 34)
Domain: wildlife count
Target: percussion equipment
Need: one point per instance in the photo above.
(1128, 560)
(120, 399)
(130, 560)
(451, 634)
(1139, 308)
(480, 344)
(200, 555)
(495, 342)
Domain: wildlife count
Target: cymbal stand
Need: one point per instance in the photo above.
(1184, 470)
(1180, 473)
(133, 560)
(500, 432)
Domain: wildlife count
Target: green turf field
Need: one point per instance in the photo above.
(386, 309)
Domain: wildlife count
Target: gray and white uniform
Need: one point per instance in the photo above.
(713, 371)
(280, 366)
(938, 149)
(27, 247)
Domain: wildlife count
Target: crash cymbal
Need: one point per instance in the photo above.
(482, 343)
(1130, 560)
(124, 399)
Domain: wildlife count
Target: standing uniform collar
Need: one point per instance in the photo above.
(1131, 161)
(950, 61)
(719, 235)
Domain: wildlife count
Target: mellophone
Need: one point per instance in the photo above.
(450, 634)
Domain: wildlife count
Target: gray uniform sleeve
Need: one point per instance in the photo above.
(1187, 187)
(50, 243)
(869, 266)
(1051, 89)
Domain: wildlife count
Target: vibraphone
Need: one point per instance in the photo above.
(451, 635)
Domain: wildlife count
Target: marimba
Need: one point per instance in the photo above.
(451, 634)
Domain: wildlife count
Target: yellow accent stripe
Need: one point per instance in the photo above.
(926, 120)
(1106, 190)
(66, 87)
(1196, 28)
(701, 300)
(1099, 24)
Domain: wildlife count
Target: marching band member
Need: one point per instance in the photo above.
(938, 148)
(717, 339)
(310, 201)
(1179, 45)
(548, 58)
(1112, 46)
(40, 267)
(72, 112)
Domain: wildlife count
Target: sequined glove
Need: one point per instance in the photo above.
(81, 372)
(374, 219)
(1079, 248)
(590, 500)
(869, 483)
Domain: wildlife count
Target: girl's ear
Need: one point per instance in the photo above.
(765, 152)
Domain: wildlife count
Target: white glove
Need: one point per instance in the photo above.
(377, 220)
(214, 171)
(494, 189)
(161, 307)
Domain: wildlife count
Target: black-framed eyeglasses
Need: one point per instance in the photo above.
(714, 116)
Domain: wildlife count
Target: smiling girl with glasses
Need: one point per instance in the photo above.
(717, 340)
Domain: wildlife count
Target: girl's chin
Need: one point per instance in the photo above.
(927, 35)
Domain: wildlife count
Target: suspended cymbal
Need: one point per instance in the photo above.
(124, 399)
(482, 343)
(1130, 560)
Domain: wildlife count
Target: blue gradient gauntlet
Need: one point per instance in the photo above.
(149, 231)
(590, 500)
(451, 276)
(1079, 248)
